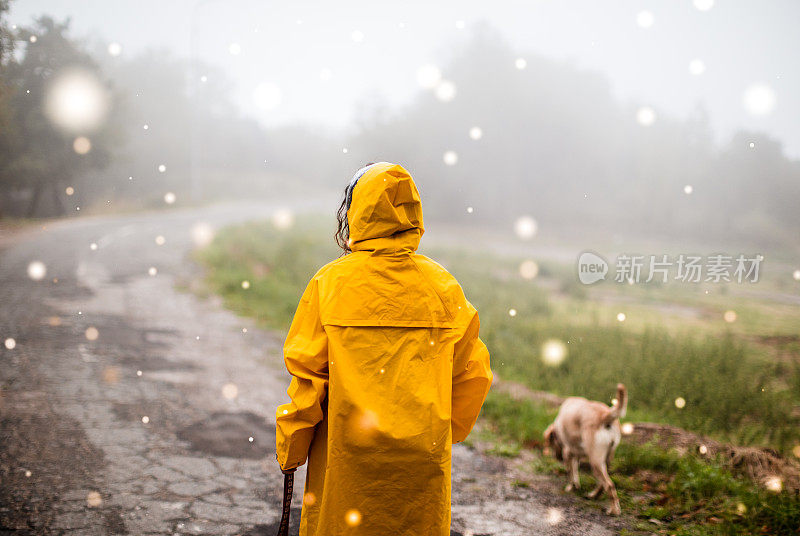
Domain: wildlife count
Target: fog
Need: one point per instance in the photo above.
(740, 43)
(668, 119)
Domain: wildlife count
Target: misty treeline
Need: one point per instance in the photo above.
(556, 146)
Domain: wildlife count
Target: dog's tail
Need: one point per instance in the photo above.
(619, 410)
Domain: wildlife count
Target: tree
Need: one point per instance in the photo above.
(37, 155)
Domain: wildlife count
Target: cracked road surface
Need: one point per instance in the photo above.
(130, 407)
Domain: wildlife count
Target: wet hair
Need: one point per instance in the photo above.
(342, 234)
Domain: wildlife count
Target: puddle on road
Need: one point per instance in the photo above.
(228, 434)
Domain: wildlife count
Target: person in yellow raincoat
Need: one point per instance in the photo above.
(387, 373)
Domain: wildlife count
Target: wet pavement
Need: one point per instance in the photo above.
(129, 406)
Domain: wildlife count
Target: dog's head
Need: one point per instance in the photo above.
(553, 443)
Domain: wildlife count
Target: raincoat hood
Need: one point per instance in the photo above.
(385, 214)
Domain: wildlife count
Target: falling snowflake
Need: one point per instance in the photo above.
(759, 99)
(646, 116)
(627, 428)
(202, 234)
(774, 483)
(520, 63)
(697, 67)
(114, 49)
(554, 516)
(357, 36)
(729, 316)
(428, 76)
(37, 270)
(93, 499)
(703, 5)
(152, 271)
(525, 227)
(10, 343)
(645, 19)
(169, 198)
(528, 269)
(267, 96)
(450, 158)
(235, 49)
(554, 352)
(283, 218)
(76, 101)
(475, 133)
(621, 317)
(680, 402)
(82, 145)
(353, 517)
(445, 91)
(230, 391)
(91, 333)
(688, 189)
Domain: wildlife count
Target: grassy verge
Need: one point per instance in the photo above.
(671, 493)
(733, 390)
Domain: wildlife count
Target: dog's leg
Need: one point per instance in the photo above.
(572, 463)
(598, 476)
(608, 487)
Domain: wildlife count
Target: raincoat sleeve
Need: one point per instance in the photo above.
(306, 356)
(472, 378)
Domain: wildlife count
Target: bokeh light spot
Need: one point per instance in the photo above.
(91, 333)
(528, 269)
(525, 227)
(759, 99)
(37, 270)
(554, 352)
(76, 101)
(450, 158)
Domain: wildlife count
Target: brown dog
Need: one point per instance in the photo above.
(584, 429)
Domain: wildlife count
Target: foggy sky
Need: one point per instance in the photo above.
(289, 44)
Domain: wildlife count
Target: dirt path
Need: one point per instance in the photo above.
(163, 423)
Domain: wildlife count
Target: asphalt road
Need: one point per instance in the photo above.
(128, 406)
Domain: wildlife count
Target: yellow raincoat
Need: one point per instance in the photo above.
(388, 371)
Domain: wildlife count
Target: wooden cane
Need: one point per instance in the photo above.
(288, 485)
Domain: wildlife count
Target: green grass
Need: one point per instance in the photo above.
(737, 387)
(732, 391)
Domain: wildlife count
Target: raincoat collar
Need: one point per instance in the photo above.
(385, 215)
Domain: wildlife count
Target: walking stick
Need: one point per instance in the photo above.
(288, 485)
